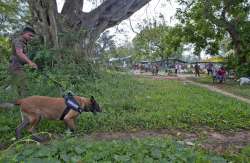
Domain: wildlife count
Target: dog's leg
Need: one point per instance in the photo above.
(35, 120)
(70, 124)
(24, 124)
(69, 120)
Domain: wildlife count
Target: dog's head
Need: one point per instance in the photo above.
(94, 106)
(89, 104)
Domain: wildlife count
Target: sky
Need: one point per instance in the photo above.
(149, 11)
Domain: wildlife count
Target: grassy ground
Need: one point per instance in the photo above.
(135, 104)
(229, 86)
(136, 150)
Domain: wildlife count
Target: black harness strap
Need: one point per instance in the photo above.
(66, 110)
(71, 103)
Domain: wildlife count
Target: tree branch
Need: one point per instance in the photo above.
(132, 27)
(72, 7)
(112, 12)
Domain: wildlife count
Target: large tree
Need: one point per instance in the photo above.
(72, 20)
(210, 20)
(159, 42)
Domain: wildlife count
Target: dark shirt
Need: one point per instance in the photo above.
(16, 62)
(197, 67)
(210, 66)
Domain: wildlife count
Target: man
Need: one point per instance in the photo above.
(197, 70)
(18, 59)
(221, 74)
(210, 68)
(176, 68)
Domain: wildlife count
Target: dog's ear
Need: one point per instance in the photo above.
(92, 99)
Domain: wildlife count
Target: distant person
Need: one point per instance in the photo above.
(214, 74)
(18, 59)
(176, 68)
(141, 68)
(197, 70)
(179, 68)
(146, 66)
(157, 69)
(221, 73)
(209, 68)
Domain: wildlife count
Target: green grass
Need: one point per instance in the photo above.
(131, 103)
(79, 150)
(137, 103)
(229, 86)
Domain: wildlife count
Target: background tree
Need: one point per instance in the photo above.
(105, 43)
(159, 42)
(207, 22)
(13, 15)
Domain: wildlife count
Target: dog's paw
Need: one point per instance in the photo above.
(39, 139)
(69, 132)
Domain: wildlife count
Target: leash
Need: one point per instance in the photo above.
(68, 96)
(70, 101)
(54, 81)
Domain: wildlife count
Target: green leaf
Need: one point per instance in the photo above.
(121, 157)
(156, 153)
(43, 152)
(75, 158)
(28, 152)
(79, 150)
(4, 128)
(65, 157)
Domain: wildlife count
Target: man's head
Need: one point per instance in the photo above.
(28, 33)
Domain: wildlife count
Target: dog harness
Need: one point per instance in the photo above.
(71, 103)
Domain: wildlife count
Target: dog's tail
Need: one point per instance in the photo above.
(10, 105)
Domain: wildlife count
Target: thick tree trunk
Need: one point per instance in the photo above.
(72, 21)
(238, 47)
(45, 20)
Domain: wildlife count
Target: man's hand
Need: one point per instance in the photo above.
(24, 57)
(33, 65)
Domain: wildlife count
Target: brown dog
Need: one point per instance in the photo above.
(36, 107)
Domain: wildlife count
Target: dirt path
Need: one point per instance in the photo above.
(205, 138)
(215, 89)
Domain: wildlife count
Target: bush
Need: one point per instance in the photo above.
(243, 70)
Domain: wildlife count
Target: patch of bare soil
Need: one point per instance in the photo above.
(206, 138)
(222, 142)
